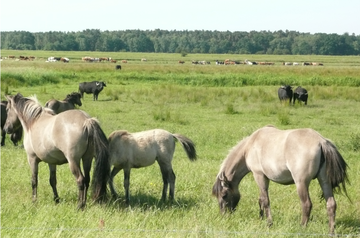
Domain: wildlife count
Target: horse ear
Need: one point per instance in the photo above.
(224, 181)
(17, 97)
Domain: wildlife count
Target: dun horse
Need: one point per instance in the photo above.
(285, 157)
(141, 149)
(45, 139)
(68, 103)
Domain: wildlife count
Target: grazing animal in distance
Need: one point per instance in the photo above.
(94, 87)
(68, 103)
(300, 94)
(118, 67)
(16, 135)
(285, 92)
(71, 137)
(294, 156)
(141, 149)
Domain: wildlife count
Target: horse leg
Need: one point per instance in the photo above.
(34, 165)
(3, 134)
(127, 185)
(52, 169)
(172, 179)
(303, 192)
(330, 201)
(87, 167)
(114, 172)
(76, 171)
(264, 201)
(168, 176)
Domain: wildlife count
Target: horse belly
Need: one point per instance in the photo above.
(143, 159)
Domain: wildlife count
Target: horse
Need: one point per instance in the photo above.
(69, 137)
(294, 156)
(141, 149)
(68, 103)
(18, 130)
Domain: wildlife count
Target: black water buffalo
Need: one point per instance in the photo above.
(18, 131)
(117, 67)
(94, 87)
(300, 94)
(285, 92)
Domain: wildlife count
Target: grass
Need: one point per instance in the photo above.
(215, 116)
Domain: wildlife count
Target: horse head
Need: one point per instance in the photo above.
(12, 122)
(74, 98)
(228, 195)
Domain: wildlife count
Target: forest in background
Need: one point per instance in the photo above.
(199, 41)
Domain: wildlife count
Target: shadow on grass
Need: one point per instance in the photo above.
(146, 202)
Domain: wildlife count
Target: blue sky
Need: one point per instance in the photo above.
(315, 16)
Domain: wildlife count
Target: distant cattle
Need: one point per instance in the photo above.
(300, 94)
(117, 67)
(143, 59)
(104, 59)
(287, 63)
(51, 59)
(181, 62)
(306, 63)
(285, 92)
(266, 63)
(11, 57)
(124, 61)
(94, 87)
(113, 61)
(65, 60)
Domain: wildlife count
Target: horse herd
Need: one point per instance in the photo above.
(58, 133)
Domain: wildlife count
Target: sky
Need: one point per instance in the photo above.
(305, 16)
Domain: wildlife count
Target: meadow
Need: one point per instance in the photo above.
(214, 105)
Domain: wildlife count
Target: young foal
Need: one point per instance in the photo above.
(70, 137)
(68, 103)
(141, 149)
(285, 157)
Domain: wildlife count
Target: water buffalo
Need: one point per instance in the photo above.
(285, 92)
(300, 94)
(117, 66)
(94, 87)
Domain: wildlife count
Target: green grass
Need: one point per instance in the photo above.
(215, 115)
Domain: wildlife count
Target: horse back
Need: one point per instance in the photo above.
(285, 156)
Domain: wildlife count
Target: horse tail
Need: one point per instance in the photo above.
(335, 167)
(101, 172)
(188, 146)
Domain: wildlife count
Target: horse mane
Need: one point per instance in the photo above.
(118, 133)
(30, 109)
(232, 157)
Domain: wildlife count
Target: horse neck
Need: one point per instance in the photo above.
(235, 167)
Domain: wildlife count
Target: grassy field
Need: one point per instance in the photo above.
(215, 106)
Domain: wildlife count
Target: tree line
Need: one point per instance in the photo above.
(198, 41)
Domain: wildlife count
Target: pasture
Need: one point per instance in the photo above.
(216, 106)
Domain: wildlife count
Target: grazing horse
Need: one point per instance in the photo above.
(286, 157)
(18, 131)
(68, 103)
(141, 149)
(69, 137)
